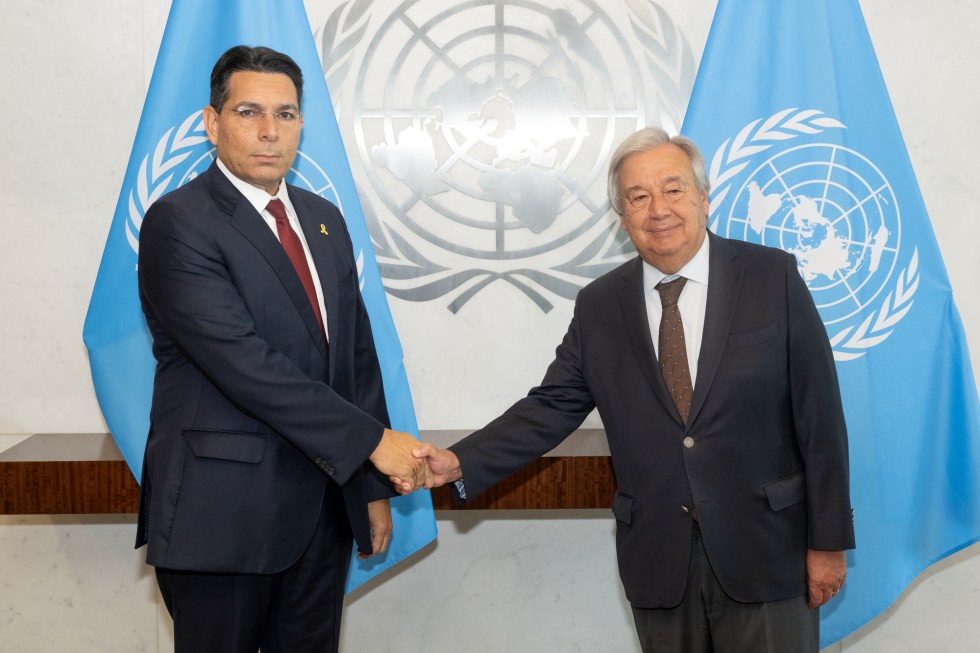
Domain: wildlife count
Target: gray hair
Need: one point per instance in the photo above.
(647, 139)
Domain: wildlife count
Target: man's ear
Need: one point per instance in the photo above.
(211, 123)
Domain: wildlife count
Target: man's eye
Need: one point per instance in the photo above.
(246, 113)
(285, 116)
(638, 200)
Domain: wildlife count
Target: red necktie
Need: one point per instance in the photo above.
(294, 250)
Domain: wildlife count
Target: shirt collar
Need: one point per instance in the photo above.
(695, 270)
(256, 196)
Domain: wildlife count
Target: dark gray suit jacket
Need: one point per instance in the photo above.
(251, 417)
(767, 465)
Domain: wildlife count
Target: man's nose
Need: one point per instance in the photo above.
(268, 127)
(658, 206)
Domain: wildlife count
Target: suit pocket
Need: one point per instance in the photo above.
(786, 491)
(226, 445)
(751, 338)
(623, 508)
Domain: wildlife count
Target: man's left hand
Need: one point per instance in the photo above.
(825, 573)
(379, 514)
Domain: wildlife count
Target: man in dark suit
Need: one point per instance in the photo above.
(269, 444)
(724, 422)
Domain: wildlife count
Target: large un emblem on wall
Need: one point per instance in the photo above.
(829, 206)
(484, 131)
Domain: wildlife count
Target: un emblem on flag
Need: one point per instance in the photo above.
(829, 206)
(182, 153)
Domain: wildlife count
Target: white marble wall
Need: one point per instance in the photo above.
(73, 76)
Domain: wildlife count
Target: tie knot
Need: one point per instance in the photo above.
(671, 290)
(277, 209)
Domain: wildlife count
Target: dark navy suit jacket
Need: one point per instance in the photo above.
(766, 464)
(251, 416)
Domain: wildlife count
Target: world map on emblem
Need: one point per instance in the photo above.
(482, 133)
(831, 208)
(484, 136)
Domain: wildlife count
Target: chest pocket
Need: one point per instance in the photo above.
(238, 447)
(787, 491)
(752, 338)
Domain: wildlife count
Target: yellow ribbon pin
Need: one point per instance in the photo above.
(323, 229)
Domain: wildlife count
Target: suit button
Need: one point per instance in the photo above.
(688, 442)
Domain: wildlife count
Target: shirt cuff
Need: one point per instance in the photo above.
(460, 489)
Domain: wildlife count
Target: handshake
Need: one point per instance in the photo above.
(411, 466)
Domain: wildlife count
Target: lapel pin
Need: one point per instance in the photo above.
(323, 229)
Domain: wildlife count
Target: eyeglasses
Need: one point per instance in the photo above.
(640, 200)
(283, 118)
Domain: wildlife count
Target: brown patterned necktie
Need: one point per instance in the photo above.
(294, 250)
(672, 351)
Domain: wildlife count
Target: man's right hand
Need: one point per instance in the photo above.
(393, 457)
(442, 465)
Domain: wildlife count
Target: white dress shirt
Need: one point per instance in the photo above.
(691, 303)
(260, 199)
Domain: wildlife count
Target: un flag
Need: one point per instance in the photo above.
(172, 148)
(791, 112)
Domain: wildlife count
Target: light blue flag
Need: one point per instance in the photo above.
(805, 154)
(171, 148)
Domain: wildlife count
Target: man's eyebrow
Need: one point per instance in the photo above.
(288, 106)
(673, 179)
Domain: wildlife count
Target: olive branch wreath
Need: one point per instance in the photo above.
(156, 171)
(155, 176)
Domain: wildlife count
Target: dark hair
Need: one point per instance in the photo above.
(256, 60)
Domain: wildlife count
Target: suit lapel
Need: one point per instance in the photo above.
(250, 224)
(724, 283)
(323, 249)
(633, 304)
